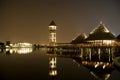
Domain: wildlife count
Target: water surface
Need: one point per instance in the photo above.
(36, 66)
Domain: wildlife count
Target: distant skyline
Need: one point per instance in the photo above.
(28, 20)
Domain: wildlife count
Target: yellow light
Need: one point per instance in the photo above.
(24, 50)
(108, 41)
(11, 51)
(104, 66)
(53, 73)
(52, 27)
(96, 65)
(53, 64)
(22, 44)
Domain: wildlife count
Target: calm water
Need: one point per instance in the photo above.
(17, 65)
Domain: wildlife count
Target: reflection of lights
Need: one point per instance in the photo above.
(92, 73)
(7, 46)
(0, 50)
(96, 65)
(11, 51)
(53, 66)
(107, 63)
(117, 61)
(53, 73)
(20, 50)
(104, 66)
(98, 77)
(52, 63)
(101, 63)
(107, 76)
(7, 49)
(11, 44)
(24, 50)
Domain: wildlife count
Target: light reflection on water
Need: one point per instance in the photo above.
(39, 66)
(20, 50)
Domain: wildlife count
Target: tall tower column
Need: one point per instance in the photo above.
(52, 33)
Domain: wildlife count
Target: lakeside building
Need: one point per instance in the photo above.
(2, 46)
(21, 45)
(100, 45)
(100, 35)
(95, 51)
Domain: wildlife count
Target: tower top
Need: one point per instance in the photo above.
(52, 23)
(101, 22)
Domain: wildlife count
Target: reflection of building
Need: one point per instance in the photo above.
(52, 33)
(53, 66)
(19, 50)
(2, 46)
(7, 43)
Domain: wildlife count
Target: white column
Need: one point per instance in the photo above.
(99, 53)
(109, 54)
(112, 52)
(90, 54)
(81, 53)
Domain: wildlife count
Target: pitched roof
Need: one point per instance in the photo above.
(118, 37)
(101, 33)
(52, 23)
(100, 28)
(79, 39)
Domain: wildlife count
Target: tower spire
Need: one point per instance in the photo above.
(101, 22)
(52, 23)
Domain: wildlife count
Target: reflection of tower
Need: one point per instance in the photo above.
(52, 33)
(53, 67)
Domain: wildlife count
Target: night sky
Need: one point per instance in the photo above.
(28, 20)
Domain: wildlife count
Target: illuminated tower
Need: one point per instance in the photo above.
(52, 33)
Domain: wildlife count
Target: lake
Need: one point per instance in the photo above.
(29, 64)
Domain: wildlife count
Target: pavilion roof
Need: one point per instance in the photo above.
(79, 39)
(101, 33)
(118, 37)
